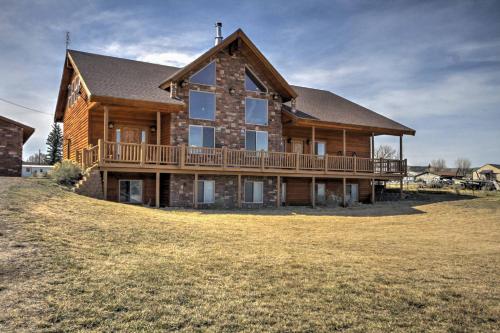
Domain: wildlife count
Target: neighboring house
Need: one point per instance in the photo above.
(36, 170)
(12, 137)
(227, 130)
(487, 172)
(427, 177)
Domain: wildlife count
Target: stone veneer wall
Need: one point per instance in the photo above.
(11, 149)
(229, 120)
(226, 189)
(229, 126)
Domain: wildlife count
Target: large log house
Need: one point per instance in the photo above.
(227, 130)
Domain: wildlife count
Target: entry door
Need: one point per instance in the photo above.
(297, 146)
(132, 135)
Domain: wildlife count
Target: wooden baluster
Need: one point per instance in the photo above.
(100, 148)
(354, 164)
(182, 155)
(262, 160)
(326, 163)
(143, 153)
(297, 161)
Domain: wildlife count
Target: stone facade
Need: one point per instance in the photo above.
(11, 149)
(226, 191)
(91, 184)
(229, 120)
(229, 127)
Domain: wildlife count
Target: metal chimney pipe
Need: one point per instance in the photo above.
(218, 33)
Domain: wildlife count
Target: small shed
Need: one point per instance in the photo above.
(13, 135)
(487, 172)
(36, 170)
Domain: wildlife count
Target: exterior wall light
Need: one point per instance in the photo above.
(232, 91)
(152, 129)
(111, 125)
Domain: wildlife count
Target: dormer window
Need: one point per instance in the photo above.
(205, 76)
(252, 83)
(73, 91)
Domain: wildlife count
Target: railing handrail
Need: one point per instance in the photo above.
(240, 158)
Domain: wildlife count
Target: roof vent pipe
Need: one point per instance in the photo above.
(218, 33)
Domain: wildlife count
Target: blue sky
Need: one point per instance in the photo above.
(431, 65)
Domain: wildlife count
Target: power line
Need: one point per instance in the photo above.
(24, 107)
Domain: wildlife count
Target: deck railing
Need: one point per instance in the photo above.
(90, 157)
(147, 154)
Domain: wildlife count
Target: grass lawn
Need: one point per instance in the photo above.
(70, 263)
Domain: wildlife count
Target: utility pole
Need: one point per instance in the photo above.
(39, 156)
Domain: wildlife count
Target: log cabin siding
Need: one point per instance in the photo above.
(144, 120)
(76, 127)
(356, 142)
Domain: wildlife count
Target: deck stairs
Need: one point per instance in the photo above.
(91, 184)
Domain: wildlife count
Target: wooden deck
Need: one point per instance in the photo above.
(182, 159)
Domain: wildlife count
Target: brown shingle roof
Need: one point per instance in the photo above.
(130, 79)
(27, 130)
(123, 78)
(327, 106)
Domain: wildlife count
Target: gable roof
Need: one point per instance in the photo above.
(323, 105)
(27, 130)
(285, 90)
(105, 76)
(130, 80)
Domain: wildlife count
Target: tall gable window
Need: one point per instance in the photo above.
(252, 83)
(255, 111)
(256, 140)
(201, 105)
(205, 76)
(73, 91)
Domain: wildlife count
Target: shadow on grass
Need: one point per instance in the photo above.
(383, 208)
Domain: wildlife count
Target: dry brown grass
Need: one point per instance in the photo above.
(70, 263)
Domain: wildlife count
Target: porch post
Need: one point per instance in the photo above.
(372, 148)
(158, 128)
(373, 191)
(195, 191)
(105, 185)
(278, 192)
(401, 165)
(344, 192)
(343, 143)
(313, 192)
(157, 194)
(313, 140)
(106, 122)
(239, 191)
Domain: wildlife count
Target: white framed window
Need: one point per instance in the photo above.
(256, 140)
(130, 191)
(206, 191)
(205, 76)
(320, 148)
(256, 111)
(201, 105)
(254, 191)
(201, 136)
(252, 83)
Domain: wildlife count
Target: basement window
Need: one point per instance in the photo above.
(201, 105)
(205, 76)
(254, 192)
(252, 83)
(206, 191)
(256, 111)
(131, 191)
(256, 140)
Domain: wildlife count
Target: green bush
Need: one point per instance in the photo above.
(66, 172)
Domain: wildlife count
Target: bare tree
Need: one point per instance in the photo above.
(462, 163)
(385, 151)
(37, 158)
(438, 165)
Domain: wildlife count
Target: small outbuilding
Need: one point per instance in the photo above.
(487, 172)
(36, 170)
(13, 135)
